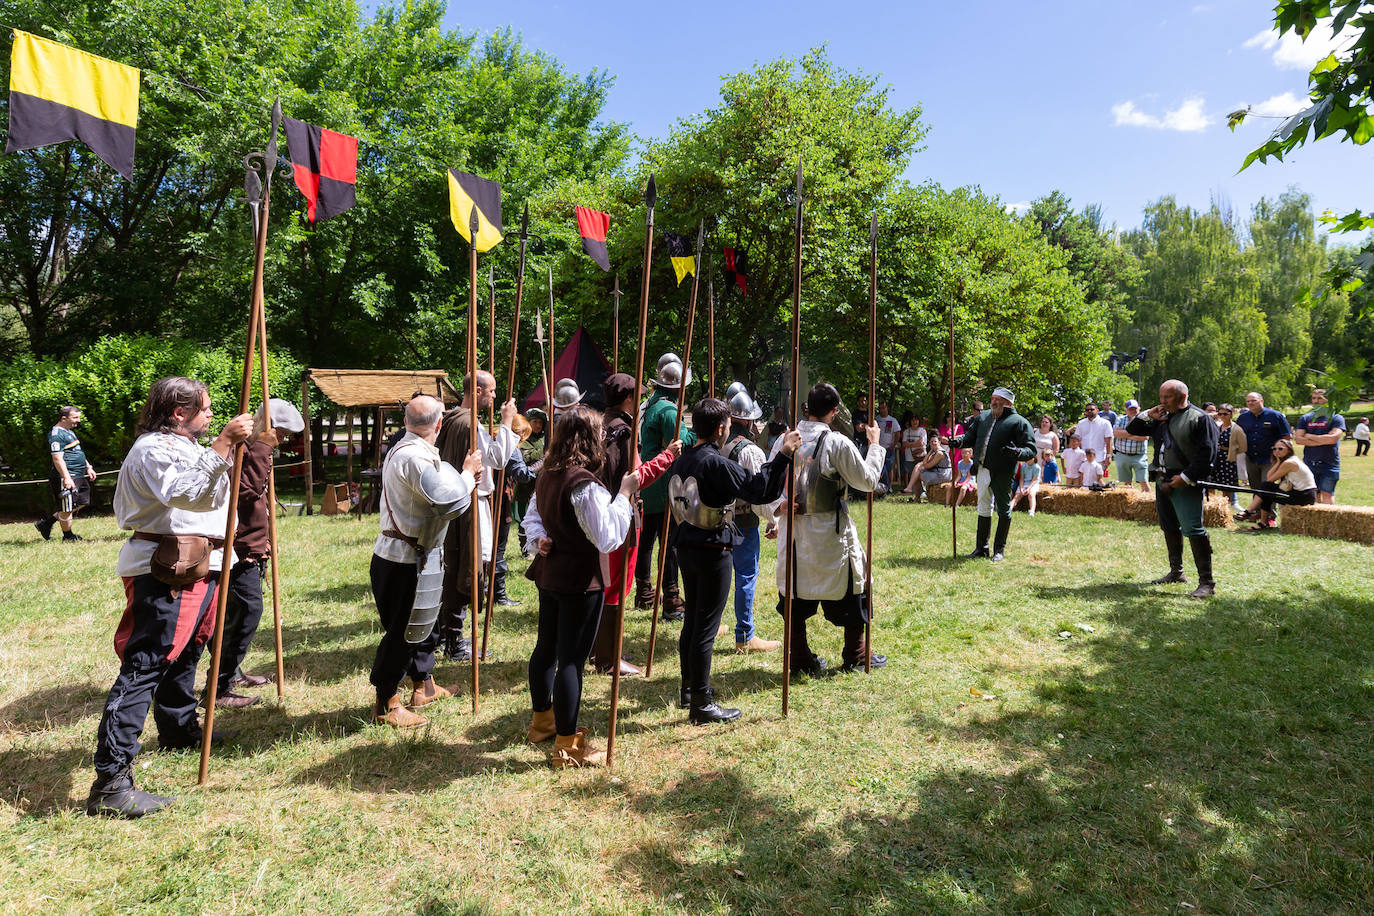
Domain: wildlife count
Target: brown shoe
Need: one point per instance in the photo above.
(627, 669)
(396, 715)
(541, 727)
(427, 693)
(644, 594)
(755, 644)
(231, 700)
(574, 751)
(253, 681)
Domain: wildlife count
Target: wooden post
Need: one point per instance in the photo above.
(307, 445)
(271, 504)
(954, 471)
(475, 530)
(873, 410)
(790, 548)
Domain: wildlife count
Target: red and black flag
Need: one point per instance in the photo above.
(325, 165)
(736, 269)
(593, 225)
(680, 251)
(58, 93)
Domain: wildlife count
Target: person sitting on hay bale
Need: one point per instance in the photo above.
(1090, 472)
(1288, 475)
(1186, 439)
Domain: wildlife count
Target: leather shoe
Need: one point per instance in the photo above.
(231, 700)
(396, 715)
(705, 711)
(117, 796)
(458, 650)
(997, 557)
(756, 644)
(252, 681)
(44, 526)
(858, 664)
(427, 692)
(626, 669)
(684, 697)
(979, 554)
(814, 666)
(671, 614)
(506, 601)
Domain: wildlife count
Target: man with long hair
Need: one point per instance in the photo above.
(171, 491)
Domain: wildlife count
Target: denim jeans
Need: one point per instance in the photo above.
(746, 560)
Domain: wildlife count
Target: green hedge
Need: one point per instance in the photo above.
(109, 382)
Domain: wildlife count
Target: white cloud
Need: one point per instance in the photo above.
(1016, 209)
(1188, 117)
(1292, 53)
(1279, 106)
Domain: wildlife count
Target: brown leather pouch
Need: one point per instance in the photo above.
(181, 559)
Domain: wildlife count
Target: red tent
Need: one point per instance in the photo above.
(581, 361)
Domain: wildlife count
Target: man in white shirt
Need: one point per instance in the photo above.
(496, 451)
(1095, 435)
(407, 538)
(168, 486)
(888, 431)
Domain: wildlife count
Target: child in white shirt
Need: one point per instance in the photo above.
(1073, 462)
(1090, 469)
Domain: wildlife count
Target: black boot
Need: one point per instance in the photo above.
(502, 598)
(999, 542)
(684, 696)
(117, 796)
(803, 660)
(1173, 540)
(706, 712)
(1202, 559)
(456, 647)
(984, 529)
(44, 526)
(855, 649)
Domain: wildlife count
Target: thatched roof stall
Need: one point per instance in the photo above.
(361, 389)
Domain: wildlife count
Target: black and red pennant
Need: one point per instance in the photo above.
(736, 269)
(593, 225)
(325, 166)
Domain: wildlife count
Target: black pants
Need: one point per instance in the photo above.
(1295, 497)
(1361, 447)
(147, 677)
(644, 563)
(242, 615)
(849, 612)
(393, 588)
(567, 626)
(706, 582)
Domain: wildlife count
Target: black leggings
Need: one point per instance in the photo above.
(706, 578)
(1361, 447)
(1295, 497)
(567, 627)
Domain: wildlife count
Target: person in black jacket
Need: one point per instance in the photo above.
(1000, 438)
(703, 486)
(1186, 443)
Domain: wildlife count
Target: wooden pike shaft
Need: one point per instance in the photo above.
(271, 505)
(475, 530)
(681, 406)
(790, 560)
(615, 327)
(949, 493)
(872, 413)
(497, 494)
(634, 451)
(710, 330)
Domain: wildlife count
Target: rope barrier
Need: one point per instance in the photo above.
(44, 480)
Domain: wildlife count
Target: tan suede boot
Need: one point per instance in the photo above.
(541, 727)
(397, 716)
(426, 693)
(574, 751)
(757, 644)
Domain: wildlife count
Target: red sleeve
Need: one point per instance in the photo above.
(653, 470)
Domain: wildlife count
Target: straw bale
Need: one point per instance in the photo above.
(1345, 523)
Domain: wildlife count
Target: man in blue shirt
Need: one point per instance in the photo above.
(1263, 427)
(1320, 432)
(70, 477)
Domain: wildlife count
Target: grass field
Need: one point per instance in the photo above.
(1127, 749)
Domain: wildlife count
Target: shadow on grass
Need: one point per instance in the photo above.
(1218, 757)
(413, 762)
(39, 783)
(53, 707)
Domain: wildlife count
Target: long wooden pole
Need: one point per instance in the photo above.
(872, 405)
(475, 529)
(307, 445)
(615, 326)
(269, 159)
(789, 573)
(498, 492)
(663, 547)
(710, 327)
(271, 502)
(953, 474)
(650, 194)
(510, 393)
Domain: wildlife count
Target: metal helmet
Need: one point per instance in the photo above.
(566, 394)
(743, 407)
(670, 372)
(734, 389)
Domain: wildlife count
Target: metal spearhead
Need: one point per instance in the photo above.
(539, 327)
(551, 295)
(650, 198)
(473, 224)
(873, 231)
(491, 280)
(270, 162)
(701, 243)
(525, 222)
(616, 291)
(799, 190)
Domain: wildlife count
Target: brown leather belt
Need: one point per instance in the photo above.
(393, 533)
(216, 543)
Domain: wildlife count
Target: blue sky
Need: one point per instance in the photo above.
(1114, 103)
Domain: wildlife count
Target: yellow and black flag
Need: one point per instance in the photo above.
(466, 191)
(680, 250)
(58, 93)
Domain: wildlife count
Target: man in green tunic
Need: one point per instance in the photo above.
(999, 438)
(659, 425)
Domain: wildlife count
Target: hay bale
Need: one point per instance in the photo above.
(938, 494)
(1216, 512)
(1344, 523)
(1081, 501)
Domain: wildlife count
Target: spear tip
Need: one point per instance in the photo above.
(873, 229)
(799, 176)
(651, 193)
(473, 225)
(525, 222)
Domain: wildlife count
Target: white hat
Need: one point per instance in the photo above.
(1005, 394)
(566, 394)
(284, 416)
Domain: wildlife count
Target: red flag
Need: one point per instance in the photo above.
(325, 165)
(593, 225)
(736, 267)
